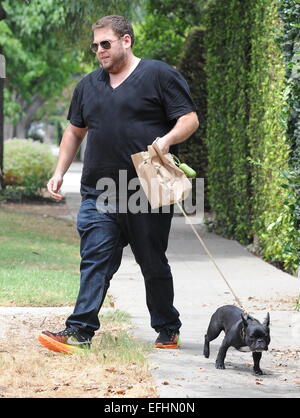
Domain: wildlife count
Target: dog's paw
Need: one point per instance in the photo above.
(206, 353)
(220, 366)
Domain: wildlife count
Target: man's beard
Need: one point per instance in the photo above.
(115, 64)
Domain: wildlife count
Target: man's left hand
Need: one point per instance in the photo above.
(185, 126)
(162, 145)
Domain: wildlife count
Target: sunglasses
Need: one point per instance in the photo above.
(104, 45)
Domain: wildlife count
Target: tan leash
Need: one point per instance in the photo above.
(212, 259)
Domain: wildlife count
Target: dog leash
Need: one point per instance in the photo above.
(238, 301)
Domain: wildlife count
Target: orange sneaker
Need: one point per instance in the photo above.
(67, 341)
(168, 338)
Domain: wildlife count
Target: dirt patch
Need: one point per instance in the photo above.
(27, 369)
(286, 364)
(45, 207)
(280, 303)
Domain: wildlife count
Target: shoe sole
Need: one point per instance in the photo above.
(58, 347)
(168, 346)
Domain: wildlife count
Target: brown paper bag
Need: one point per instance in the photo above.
(163, 182)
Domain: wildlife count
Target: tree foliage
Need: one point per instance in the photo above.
(45, 43)
(164, 28)
(38, 66)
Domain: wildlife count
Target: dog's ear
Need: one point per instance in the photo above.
(244, 319)
(266, 322)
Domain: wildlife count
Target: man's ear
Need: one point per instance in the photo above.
(244, 319)
(128, 39)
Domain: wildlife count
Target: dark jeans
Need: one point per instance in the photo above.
(103, 237)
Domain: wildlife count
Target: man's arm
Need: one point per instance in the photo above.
(70, 143)
(185, 126)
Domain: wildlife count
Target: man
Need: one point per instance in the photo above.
(124, 106)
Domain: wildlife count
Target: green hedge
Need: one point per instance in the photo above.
(192, 66)
(227, 62)
(289, 12)
(251, 187)
(269, 148)
(27, 167)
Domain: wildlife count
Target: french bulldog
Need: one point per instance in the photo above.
(242, 332)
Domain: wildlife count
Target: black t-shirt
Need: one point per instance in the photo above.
(122, 121)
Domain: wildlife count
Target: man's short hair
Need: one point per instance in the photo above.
(119, 25)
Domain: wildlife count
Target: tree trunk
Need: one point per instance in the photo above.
(21, 129)
(28, 110)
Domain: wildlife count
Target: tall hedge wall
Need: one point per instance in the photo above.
(289, 12)
(227, 62)
(192, 65)
(268, 145)
(247, 129)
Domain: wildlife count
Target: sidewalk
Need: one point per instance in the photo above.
(199, 291)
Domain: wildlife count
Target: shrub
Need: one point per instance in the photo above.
(27, 166)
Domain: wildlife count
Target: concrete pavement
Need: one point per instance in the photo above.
(199, 291)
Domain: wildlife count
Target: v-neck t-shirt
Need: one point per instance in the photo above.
(126, 119)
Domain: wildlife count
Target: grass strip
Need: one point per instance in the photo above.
(39, 260)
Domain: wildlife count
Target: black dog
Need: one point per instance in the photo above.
(242, 332)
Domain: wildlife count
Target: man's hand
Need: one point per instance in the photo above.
(53, 186)
(71, 140)
(185, 126)
(162, 145)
